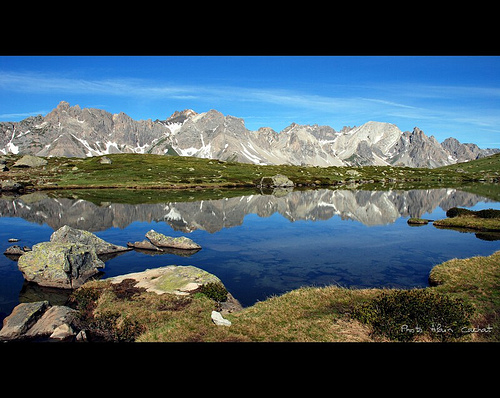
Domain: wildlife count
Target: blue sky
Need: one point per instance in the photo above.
(443, 96)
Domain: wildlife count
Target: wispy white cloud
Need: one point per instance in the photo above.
(42, 83)
(4, 116)
(411, 102)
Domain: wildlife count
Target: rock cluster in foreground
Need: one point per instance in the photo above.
(43, 322)
(68, 260)
(71, 258)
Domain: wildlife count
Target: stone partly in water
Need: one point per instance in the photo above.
(61, 265)
(15, 251)
(181, 242)
(144, 245)
(67, 234)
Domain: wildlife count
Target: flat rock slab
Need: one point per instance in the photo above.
(161, 241)
(144, 245)
(181, 280)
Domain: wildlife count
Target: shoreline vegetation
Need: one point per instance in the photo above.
(465, 290)
(462, 304)
(146, 171)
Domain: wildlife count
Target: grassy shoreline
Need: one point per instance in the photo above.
(145, 171)
(315, 314)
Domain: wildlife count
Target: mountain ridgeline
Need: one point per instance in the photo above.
(74, 132)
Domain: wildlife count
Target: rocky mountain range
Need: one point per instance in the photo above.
(74, 132)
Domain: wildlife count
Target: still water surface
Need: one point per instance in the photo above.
(261, 245)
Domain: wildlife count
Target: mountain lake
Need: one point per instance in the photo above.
(259, 245)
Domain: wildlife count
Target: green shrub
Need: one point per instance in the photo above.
(215, 291)
(107, 326)
(457, 211)
(84, 300)
(403, 315)
(488, 213)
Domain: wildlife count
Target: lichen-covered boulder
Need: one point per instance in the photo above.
(180, 280)
(61, 265)
(181, 242)
(67, 234)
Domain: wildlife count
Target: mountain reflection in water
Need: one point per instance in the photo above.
(367, 207)
(261, 245)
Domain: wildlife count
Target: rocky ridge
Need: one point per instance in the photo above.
(74, 132)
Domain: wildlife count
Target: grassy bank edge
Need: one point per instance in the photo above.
(307, 314)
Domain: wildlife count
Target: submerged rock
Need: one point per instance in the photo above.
(67, 234)
(61, 265)
(161, 241)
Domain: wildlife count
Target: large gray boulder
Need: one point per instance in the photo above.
(30, 161)
(38, 320)
(21, 319)
(61, 265)
(67, 234)
(276, 181)
(181, 242)
(54, 323)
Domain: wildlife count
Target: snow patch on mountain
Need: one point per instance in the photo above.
(72, 131)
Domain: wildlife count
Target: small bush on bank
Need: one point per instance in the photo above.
(404, 315)
(215, 291)
(488, 213)
(458, 211)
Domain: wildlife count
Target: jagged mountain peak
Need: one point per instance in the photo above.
(71, 131)
(180, 117)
